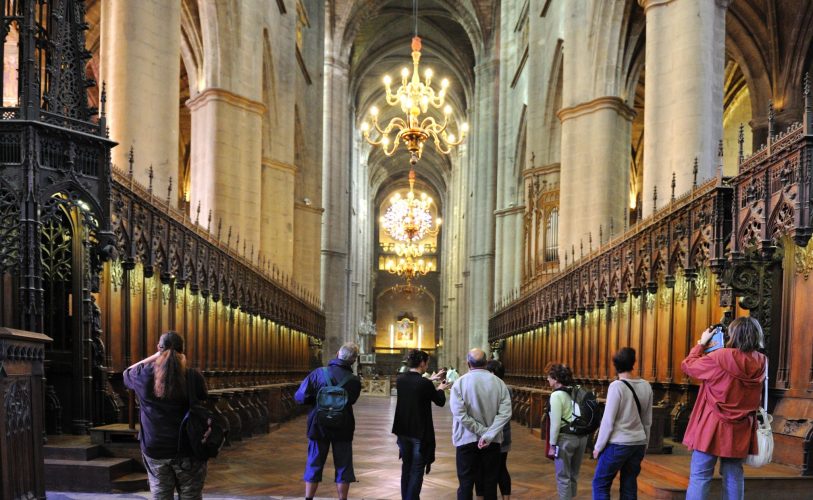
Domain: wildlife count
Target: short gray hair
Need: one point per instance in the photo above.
(477, 358)
(349, 352)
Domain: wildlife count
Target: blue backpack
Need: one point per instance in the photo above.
(332, 402)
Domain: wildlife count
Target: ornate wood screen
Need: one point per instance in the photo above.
(103, 266)
(730, 247)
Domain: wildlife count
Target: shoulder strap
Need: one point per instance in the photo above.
(345, 380)
(327, 377)
(765, 402)
(637, 403)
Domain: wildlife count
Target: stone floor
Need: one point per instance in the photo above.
(271, 466)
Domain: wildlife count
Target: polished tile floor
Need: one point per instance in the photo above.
(272, 465)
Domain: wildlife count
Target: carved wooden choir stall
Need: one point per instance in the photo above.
(730, 247)
(103, 265)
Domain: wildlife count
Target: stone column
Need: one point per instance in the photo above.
(335, 200)
(140, 64)
(480, 207)
(509, 250)
(685, 58)
(307, 244)
(227, 156)
(595, 171)
(277, 213)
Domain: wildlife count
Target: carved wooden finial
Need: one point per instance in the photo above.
(219, 227)
(197, 214)
(771, 120)
(103, 99)
(131, 160)
(612, 227)
(741, 144)
(581, 249)
(169, 191)
(151, 175)
(674, 184)
(573, 253)
(600, 235)
(590, 242)
(228, 238)
(209, 222)
(807, 119)
(654, 199)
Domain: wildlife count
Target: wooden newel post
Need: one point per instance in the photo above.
(22, 466)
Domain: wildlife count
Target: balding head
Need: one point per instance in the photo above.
(476, 358)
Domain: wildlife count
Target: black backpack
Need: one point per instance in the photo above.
(332, 402)
(201, 428)
(587, 412)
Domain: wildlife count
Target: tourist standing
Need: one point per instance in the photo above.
(569, 448)
(481, 406)
(722, 424)
(161, 384)
(624, 433)
(413, 421)
(503, 477)
(321, 438)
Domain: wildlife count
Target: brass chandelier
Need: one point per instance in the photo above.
(415, 97)
(409, 267)
(409, 219)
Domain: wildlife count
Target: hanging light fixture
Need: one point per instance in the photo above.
(415, 97)
(409, 219)
(409, 267)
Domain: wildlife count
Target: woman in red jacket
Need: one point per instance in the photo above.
(723, 424)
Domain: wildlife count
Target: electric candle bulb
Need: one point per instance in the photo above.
(451, 138)
(447, 110)
(404, 72)
(365, 126)
(444, 83)
(464, 127)
(428, 73)
(387, 80)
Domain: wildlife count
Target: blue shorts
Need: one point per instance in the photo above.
(342, 461)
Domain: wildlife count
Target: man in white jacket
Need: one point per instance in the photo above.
(481, 406)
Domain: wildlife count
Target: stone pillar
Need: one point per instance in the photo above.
(227, 155)
(480, 207)
(595, 171)
(685, 58)
(509, 251)
(335, 200)
(307, 244)
(140, 63)
(277, 213)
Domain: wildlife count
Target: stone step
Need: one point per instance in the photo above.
(134, 481)
(78, 452)
(664, 476)
(95, 475)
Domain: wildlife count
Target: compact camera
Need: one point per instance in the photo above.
(718, 338)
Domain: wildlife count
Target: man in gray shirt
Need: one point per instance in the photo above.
(481, 406)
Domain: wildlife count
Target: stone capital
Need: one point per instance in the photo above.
(298, 205)
(279, 165)
(223, 95)
(519, 209)
(608, 102)
(647, 4)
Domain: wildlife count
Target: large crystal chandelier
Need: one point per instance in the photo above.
(409, 267)
(415, 97)
(408, 219)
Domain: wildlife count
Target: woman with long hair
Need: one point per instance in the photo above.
(569, 448)
(162, 383)
(722, 424)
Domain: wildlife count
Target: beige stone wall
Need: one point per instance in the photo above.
(140, 65)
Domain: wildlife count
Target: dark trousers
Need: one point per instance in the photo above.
(412, 467)
(615, 458)
(503, 478)
(474, 464)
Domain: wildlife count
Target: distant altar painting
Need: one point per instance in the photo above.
(405, 330)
